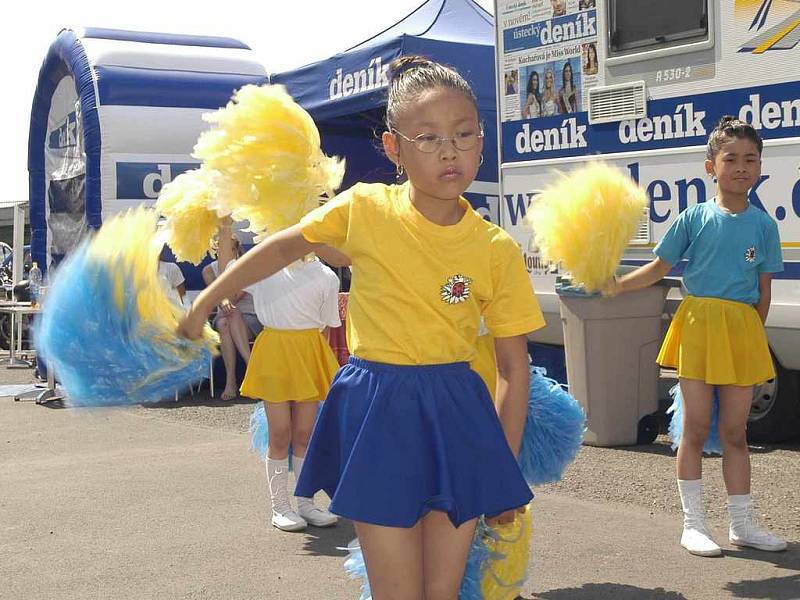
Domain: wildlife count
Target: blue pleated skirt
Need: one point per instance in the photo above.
(394, 442)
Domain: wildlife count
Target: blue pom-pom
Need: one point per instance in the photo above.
(105, 356)
(713, 444)
(356, 568)
(554, 430)
(259, 431)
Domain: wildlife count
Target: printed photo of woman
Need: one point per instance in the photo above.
(568, 94)
(549, 95)
(532, 107)
(559, 7)
(589, 54)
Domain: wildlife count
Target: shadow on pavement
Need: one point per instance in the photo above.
(784, 560)
(774, 588)
(329, 541)
(610, 591)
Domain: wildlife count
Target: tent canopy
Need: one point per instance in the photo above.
(346, 94)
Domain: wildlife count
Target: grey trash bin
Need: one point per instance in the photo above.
(611, 346)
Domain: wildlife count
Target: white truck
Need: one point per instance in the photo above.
(642, 84)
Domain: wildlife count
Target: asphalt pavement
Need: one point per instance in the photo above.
(119, 504)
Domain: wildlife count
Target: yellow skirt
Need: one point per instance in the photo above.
(717, 341)
(485, 363)
(289, 364)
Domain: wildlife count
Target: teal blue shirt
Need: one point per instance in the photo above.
(725, 252)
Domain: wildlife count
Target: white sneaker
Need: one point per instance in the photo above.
(745, 529)
(318, 517)
(699, 542)
(752, 535)
(288, 521)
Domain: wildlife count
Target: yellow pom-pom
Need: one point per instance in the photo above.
(190, 225)
(505, 576)
(586, 220)
(130, 245)
(266, 149)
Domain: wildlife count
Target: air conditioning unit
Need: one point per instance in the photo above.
(621, 102)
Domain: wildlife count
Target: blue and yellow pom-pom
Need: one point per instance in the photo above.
(108, 327)
(498, 560)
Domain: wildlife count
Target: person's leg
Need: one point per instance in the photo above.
(240, 334)
(279, 423)
(734, 408)
(445, 551)
(393, 556)
(304, 415)
(697, 401)
(745, 530)
(228, 348)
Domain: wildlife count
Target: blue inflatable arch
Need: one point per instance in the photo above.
(115, 116)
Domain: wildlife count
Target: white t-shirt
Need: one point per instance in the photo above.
(171, 274)
(245, 303)
(304, 295)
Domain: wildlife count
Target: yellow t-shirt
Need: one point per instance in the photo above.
(418, 289)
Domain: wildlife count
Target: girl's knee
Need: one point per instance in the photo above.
(733, 437)
(279, 437)
(695, 434)
(441, 589)
(301, 436)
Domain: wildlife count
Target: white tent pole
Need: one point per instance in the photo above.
(18, 243)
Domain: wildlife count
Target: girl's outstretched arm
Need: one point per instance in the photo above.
(266, 259)
(332, 256)
(765, 295)
(642, 277)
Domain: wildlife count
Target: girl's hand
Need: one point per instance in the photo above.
(611, 288)
(191, 326)
(226, 307)
(506, 517)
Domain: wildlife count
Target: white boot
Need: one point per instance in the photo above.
(695, 537)
(745, 530)
(318, 517)
(283, 515)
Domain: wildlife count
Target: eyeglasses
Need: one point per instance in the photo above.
(429, 142)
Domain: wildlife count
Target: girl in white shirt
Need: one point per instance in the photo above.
(291, 368)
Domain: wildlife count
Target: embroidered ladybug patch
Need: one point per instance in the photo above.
(456, 289)
(750, 254)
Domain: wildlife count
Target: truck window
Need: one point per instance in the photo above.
(645, 25)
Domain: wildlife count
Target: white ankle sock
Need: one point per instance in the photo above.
(691, 491)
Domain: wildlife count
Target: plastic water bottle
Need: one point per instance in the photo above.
(35, 282)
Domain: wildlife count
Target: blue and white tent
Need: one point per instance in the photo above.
(115, 116)
(346, 94)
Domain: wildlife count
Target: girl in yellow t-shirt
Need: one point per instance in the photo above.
(408, 443)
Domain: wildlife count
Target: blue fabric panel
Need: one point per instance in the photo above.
(131, 86)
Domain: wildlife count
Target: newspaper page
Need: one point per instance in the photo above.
(548, 56)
